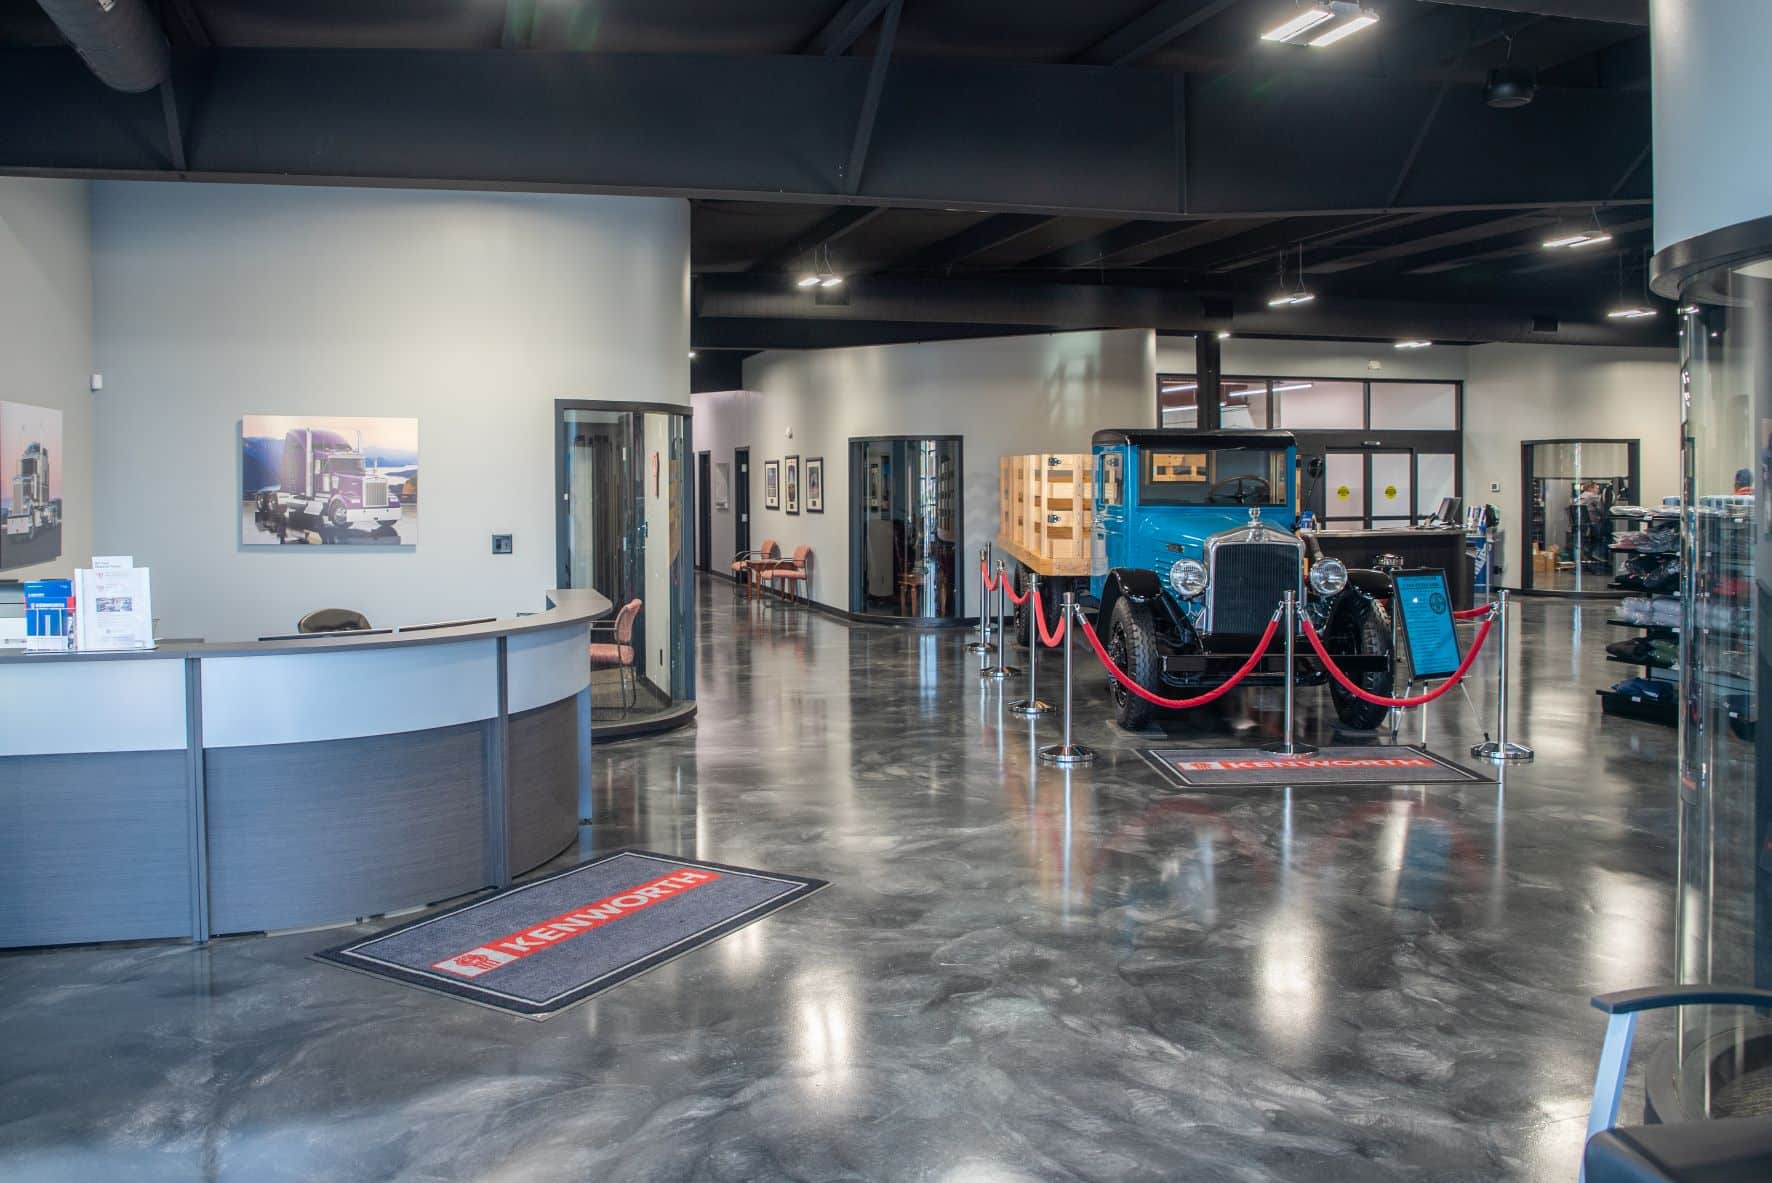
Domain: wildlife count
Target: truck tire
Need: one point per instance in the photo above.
(1369, 634)
(1132, 644)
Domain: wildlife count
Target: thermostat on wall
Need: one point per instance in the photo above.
(501, 544)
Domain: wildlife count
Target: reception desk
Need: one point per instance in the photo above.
(197, 790)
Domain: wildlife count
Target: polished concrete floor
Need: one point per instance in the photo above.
(1016, 973)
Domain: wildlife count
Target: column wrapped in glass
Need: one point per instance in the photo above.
(1723, 1058)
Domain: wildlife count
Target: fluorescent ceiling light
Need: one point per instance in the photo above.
(1690, 310)
(1285, 386)
(692, 355)
(1346, 29)
(1177, 389)
(1224, 334)
(1634, 312)
(1287, 298)
(1310, 18)
(830, 281)
(807, 281)
(1582, 238)
(1413, 344)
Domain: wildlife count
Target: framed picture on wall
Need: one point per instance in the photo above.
(30, 484)
(722, 485)
(815, 484)
(791, 479)
(328, 481)
(772, 484)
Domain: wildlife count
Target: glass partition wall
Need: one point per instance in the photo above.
(904, 528)
(1720, 1063)
(624, 530)
(1573, 492)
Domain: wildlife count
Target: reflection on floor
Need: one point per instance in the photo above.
(1016, 974)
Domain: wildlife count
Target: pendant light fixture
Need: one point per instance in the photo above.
(1573, 237)
(1627, 309)
(1286, 297)
(824, 276)
(1331, 20)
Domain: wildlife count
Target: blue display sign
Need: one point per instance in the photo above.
(1427, 623)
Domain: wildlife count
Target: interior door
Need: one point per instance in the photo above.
(741, 500)
(1344, 490)
(1390, 490)
(704, 510)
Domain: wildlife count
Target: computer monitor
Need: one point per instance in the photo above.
(1447, 514)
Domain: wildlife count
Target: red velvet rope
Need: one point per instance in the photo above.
(1179, 704)
(1353, 688)
(1018, 601)
(1471, 613)
(1050, 640)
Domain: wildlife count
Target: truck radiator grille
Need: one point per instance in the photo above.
(375, 494)
(1248, 579)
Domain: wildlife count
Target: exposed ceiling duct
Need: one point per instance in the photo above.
(119, 40)
(1617, 12)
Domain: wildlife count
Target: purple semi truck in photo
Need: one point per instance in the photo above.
(324, 487)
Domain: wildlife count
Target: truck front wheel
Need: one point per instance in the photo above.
(1132, 644)
(1367, 633)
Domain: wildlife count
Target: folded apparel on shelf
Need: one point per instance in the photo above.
(1647, 690)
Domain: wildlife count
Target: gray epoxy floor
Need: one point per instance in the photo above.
(1016, 974)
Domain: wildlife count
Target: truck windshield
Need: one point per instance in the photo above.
(344, 464)
(1212, 476)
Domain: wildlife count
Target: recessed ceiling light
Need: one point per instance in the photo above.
(1413, 344)
(1630, 312)
(1308, 19)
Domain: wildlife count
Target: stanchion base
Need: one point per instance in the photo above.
(1289, 749)
(1503, 753)
(1061, 754)
(998, 672)
(1029, 709)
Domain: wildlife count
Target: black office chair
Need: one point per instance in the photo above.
(332, 620)
(1726, 1149)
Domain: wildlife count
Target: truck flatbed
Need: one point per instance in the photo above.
(1040, 564)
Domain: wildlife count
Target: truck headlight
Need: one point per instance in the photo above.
(1187, 577)
(1328, 576)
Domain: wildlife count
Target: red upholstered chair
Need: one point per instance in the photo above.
(618, 650)
(793, 573)
(747, 564)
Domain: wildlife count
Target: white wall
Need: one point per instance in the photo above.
(1044, 393)
(1522, 392)
(46, 341)
(1317, 359)
(471, 311)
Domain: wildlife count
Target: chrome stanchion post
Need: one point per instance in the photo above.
(1031, 706)
(1289, 746)
(1000, 671)
(1499, 749)
(1067, 753)
(983, 644)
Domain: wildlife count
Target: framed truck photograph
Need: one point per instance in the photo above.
(30, 485)
(328, 481)
(772, 484)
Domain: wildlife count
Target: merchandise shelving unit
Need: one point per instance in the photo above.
(1622, 704)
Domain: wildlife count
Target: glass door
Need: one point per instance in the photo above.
(1572, 489)
(624, 530)
(905, 527)
(1344, 490)
(1390, 490)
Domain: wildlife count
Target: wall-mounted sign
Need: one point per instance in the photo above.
(1342, 492)
(1390, 492)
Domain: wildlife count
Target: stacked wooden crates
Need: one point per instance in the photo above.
(1044, 510)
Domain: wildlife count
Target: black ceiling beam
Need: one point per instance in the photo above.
(1163, 24)
(870, 103)
(845, 27)
(821, 233)
(947, 133)
(1102, 248)
(1058, 306)
(977, 238)
(1476, 232)
(1288, 237)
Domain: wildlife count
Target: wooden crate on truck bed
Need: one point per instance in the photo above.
(1044, 504)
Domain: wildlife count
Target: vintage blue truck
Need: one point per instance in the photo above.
(324, 488)
(1195, 542)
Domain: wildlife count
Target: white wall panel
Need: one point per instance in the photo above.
(50, 705)
(545, 666)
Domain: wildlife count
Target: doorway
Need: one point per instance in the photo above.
(1569, 490)
(904, 528)
(741, 502)
(704, 510)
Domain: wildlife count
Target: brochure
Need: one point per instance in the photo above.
(49, 615)
(116, 611)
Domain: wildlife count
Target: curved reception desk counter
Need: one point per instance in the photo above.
(205, 789)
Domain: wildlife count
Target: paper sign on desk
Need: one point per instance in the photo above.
(113, 609)
(113, 562)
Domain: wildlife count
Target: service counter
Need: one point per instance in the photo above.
(196, 790)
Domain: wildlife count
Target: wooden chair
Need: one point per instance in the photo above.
(618, 651)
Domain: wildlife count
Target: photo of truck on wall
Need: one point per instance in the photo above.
(30, 485)
(336, 481)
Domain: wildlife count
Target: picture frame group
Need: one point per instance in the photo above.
(782, 484)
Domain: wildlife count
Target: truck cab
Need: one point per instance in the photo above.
(1195, 544)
